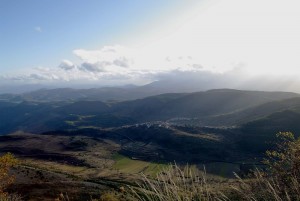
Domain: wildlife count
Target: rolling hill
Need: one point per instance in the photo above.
(223, 107)
(238, 119)
(199, 104)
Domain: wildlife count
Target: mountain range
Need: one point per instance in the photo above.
(209, 125)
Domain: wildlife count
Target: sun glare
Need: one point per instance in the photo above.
(263, 35)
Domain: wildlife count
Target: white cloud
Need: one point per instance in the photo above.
(67, 65)
(107, 59)
(114, 65)
(118, 58)
(122, 62)
(38, 29)
(38, 77)
(107, 53)
(95, 67)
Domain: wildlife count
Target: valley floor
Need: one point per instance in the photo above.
(83, 166)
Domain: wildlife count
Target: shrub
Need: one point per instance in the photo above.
(281, 180)
(7, 161)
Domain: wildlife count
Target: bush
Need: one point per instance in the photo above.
(281, 180)
(7, 161)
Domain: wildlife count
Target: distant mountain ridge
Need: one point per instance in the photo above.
(220, 107)
(185, 84)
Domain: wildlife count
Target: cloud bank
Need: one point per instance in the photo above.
(117, 65)
(110, 64)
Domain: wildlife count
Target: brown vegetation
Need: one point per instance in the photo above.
(280, 181)
(7, 161)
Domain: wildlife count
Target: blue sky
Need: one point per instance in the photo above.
(117, 42)
(42, 33)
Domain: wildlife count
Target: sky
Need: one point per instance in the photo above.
(136, 42)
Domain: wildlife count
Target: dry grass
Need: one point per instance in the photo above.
(265, 188)
(12, 197)
(175, 184)
(62, 197)
(279, 182)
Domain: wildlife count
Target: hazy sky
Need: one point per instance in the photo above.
(119, 42)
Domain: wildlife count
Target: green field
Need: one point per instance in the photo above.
(130, 166)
